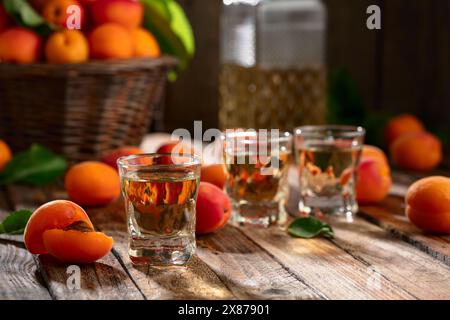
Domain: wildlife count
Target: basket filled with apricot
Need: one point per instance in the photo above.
(84, 77)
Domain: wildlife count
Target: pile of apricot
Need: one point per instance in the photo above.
(410, 145)
(109, 29)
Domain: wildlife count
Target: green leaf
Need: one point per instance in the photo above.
(310, 227)
(24, 14)
(16, 222)
(167, 21)
(37, 166)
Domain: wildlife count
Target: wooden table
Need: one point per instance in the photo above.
(378, 256)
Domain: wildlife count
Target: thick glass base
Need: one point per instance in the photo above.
(161, 251)
(337, 206)
(258, 214)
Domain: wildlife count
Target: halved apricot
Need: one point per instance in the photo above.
(57, 214)
(75, 246)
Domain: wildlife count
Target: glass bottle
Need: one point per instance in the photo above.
(273, 72)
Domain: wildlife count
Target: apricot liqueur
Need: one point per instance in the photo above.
(257, 164)
(160, 194)
(328, 157)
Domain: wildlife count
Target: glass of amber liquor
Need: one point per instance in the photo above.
(160, 192)
(257, 164)
(328, 157)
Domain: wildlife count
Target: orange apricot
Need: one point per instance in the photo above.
(67, 46)
(19, 45)
(400, 125)
(92, 183)
(213, 209)
(419, 151)
(55, 11)
(5, 154)
(112, 157)
(178, 147)
(369, 151)
(75, 246)
(127, 13)
(428, 204)
(57, 214)
(111, 41)
(373, 181)
(144, 44)
(215, 174)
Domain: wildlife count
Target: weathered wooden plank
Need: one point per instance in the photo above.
(227, 260)
(390, 215)
(195, 281)
(102, 280)
(385, 257)
(325, 267)
(248, 270)
(394, 259)
(105, 279)
(19, 275)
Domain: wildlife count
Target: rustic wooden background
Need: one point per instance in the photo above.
(403, 67)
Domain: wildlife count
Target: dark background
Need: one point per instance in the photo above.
(404, 67)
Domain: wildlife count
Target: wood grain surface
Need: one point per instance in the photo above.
(378, 256)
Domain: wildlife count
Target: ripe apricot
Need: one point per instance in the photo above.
(144, 44)
(19, 45)
(75, 246)
(5, 154)
(369, 151)
(373, 181)
(215, 174)
(420, 151)
(178, 147)
(112, 157)
(92, 183)
(55, 11)
(110, 41)
(67, 46)
(127, 13)
(213, 208)
(400, 125)
(57, 214)
(428, 204)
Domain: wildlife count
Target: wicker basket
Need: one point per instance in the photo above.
(80, 110)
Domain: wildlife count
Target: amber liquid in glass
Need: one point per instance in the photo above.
(256, 195)
(161, 216)
(327, 177)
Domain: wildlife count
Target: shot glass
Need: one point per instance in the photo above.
(257, 164)
(327, 157)
(160, 192)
